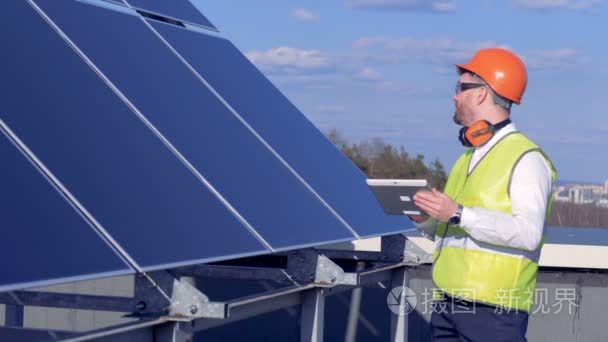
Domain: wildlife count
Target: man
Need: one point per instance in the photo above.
(488, 224)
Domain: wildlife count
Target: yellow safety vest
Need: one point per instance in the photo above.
(496, 275)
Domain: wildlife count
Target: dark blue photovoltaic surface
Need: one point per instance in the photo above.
(44, 239)
(182, 108)
(178, 9)
(134, 186)
(285, 128)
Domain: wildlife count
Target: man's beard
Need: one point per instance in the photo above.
(460, 117)
(456, 119)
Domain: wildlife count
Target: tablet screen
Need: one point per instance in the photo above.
(396, 196)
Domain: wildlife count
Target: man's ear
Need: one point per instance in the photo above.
(482, 94)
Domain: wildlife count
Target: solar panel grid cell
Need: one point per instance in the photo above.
(44, 239)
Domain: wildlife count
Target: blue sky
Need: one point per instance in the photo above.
(384, 68)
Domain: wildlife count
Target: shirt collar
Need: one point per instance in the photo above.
(497, 136)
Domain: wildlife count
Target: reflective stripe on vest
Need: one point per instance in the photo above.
(474, 270)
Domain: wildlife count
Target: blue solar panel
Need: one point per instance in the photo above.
(117, 168)
(199, 125)
(44, 240)
(280, 123)
(178, 9)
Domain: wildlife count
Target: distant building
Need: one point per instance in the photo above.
(561, 194)
(582, 194)
(602, 203)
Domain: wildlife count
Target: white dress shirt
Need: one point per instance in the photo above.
(529, 192)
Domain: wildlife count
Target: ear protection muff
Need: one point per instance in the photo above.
(479, 132)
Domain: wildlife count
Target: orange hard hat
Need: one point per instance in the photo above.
(502, 70)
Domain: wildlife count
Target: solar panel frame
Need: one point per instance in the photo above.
(152, 85)
(120, 2)
(159, 8)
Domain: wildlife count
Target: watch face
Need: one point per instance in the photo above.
(454, 220)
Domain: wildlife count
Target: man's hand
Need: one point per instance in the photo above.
(435, 203)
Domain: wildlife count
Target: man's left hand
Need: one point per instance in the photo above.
(437, 204)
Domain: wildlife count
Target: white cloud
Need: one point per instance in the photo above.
(358, 66)
(329, 108)
(302, 14)
(442, 52)
(444, 6)
(290, 60)
(366, 42)
(444, 69)
(367, 74)
(398, 87)
(341, 72)
(440, 6)
(545, 5)
(554, 59)
(309, 81)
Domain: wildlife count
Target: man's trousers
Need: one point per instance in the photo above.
(457, 320)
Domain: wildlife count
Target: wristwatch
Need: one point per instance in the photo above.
(455, 219)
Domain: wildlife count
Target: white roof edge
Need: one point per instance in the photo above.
(552, 255)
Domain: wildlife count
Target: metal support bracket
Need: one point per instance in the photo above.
(416, 255)
(186, 301)
(393, 248)
(152, 303)
(398, 248)
(308, 266)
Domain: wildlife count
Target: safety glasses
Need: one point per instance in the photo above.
(460, 87)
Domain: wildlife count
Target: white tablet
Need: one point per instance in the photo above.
(396, 196)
